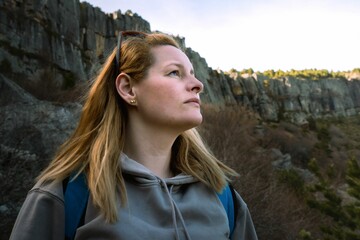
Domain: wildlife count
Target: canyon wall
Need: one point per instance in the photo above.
(61, 43)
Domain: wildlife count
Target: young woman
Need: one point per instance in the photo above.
(148, 172)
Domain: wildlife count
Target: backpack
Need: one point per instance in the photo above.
(76, 194)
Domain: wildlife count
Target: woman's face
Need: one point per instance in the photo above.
(168, 97)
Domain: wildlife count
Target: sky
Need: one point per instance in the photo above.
(257, 34)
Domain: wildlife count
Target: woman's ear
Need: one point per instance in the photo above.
(124, 86)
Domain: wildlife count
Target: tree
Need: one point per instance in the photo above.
(346, 217)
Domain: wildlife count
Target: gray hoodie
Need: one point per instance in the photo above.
(175, 208)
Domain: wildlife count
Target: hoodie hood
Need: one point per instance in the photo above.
(143, 175)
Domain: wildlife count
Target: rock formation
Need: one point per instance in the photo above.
(65, 42)
(298, 99)
(30, 132)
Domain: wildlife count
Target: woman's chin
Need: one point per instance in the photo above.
(194, 121)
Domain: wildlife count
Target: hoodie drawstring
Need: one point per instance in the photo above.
(175, 212)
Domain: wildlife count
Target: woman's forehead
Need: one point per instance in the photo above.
(170, 55)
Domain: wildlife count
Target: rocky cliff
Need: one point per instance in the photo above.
(60, 43)
(297, 99)
(66, 38)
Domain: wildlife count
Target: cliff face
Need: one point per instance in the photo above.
(293, 99)
(65, 42)
(297, 99)
(65, 38)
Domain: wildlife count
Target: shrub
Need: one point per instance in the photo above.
(323, 197)
(290, 139)
(293, 180)
(277, 210)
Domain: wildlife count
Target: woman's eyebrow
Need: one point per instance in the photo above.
(179, 65)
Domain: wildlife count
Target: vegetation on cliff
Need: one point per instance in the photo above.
(289, 201)
(314, 74)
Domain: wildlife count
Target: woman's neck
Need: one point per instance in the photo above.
(150, 148)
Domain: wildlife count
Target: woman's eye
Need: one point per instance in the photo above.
(175, 73)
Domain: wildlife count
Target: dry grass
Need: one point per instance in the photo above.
(277, 210)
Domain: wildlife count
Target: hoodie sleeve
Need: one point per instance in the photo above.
(244, 226)
(40, 217)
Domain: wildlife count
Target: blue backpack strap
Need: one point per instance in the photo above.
(76, 195)
(227, 200)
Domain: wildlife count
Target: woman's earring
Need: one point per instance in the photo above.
(132, 101)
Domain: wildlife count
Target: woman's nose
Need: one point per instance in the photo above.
(197, 86)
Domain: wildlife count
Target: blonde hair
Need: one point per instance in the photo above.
(95, 146)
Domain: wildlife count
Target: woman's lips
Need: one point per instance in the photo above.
(193, 100)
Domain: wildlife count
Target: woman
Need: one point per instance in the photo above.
(148, 172)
